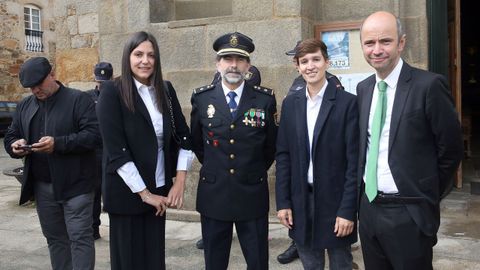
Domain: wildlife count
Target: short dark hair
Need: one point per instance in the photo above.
(125, 81)
(310, 45)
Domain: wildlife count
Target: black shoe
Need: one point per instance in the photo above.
(199, 244)
(288, 255)
(96, 234)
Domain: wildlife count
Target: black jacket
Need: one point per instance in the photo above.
(425, 143)
(130, 136)
(70, 119)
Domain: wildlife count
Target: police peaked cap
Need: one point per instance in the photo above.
(234, 43)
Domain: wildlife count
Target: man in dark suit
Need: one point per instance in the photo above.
(410, 148)
(234, 133)
(316, 162)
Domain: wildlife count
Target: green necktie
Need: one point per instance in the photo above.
(377, 125)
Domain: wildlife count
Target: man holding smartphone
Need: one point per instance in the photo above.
(56, 131)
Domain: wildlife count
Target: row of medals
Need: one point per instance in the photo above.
(252, 117)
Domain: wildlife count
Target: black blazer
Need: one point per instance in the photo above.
(130, 136)
(425, 143)
(335, 157)
(235, 154)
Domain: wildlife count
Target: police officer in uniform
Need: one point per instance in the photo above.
(252, 77)
(234, 133)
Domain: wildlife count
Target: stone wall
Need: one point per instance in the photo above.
(12, 45)
(11, 56)
(77, 42)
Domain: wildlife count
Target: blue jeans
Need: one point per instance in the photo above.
(338, 258)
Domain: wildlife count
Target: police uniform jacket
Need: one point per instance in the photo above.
(235, 152)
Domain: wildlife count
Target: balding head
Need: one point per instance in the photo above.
(382, 41)
(381, 17)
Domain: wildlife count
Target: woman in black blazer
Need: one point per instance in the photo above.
(143, 127)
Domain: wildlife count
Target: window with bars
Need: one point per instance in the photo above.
(33, 27)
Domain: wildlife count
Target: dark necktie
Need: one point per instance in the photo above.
(371, 186)
(232, 104)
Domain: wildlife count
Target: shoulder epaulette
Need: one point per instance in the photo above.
(266, 91)
(203, 89)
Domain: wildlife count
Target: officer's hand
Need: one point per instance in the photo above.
(17, 150)
(286, 218)
(45, 145)
(175, 196)
(343, 227)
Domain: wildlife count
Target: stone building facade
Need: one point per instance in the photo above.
(78, 34)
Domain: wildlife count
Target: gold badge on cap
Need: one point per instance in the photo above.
(210, 111)
(233, 41)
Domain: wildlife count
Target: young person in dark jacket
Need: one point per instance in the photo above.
(299, 83)
(55, 130)
(316, 162)
(140, 148)
(103, 71)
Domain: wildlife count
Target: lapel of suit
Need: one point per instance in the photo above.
(328, 102)
(167, 119)
(300, 114)
(219, 101)
(141, 108)
(365, 97)
(246, 101)
(401, 94)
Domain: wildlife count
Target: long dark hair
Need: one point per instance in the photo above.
(125, 81)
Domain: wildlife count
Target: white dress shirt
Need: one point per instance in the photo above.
(129, 171)
(237, 91)
(385, 182)
(313, 108)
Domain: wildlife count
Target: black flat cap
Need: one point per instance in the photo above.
(103, 71)
(234, 43)
(293, 51)
(34, 71)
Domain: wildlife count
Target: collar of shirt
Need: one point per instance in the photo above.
(238, 91)
(392, 78)
(140, 87)
(319, 95)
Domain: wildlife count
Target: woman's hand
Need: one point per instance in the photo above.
(175, 196)
(157, 201)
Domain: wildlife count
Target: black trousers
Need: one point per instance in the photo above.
(390, 238)
(217, 241)
(137, 242)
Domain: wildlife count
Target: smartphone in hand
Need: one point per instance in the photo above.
(25, 147)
